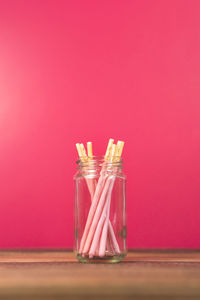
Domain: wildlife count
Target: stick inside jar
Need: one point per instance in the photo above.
(103, 222)
(99, 215)
(93, 228)
(96, 197)
(102, 226)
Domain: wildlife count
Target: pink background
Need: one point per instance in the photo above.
(75, 71)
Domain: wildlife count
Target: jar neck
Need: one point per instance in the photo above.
(98, 164)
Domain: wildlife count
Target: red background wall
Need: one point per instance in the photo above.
(88, 70)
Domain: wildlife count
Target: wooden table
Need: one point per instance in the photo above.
(57, 275)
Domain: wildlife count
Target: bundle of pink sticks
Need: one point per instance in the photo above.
(98, 237)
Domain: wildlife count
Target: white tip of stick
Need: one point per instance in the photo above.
(120, 146)
(83, 152)
(89, 150)
(113, 152)
(109, 148)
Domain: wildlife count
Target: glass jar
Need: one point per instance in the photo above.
(99, 211)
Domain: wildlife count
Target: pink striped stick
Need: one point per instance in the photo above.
(112, 237)
(95, 194)
(92, 211)
(104, 235)
(98, 212)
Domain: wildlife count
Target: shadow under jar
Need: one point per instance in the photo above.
(99, 211)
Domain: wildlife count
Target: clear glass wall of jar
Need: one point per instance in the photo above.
(99, 211)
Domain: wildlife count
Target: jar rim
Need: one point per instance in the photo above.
(98, 160)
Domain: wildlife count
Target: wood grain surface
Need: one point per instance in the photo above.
(58, 275)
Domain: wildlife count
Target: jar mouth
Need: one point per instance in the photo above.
(99, 161)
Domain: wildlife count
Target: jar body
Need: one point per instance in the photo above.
(100, 214)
